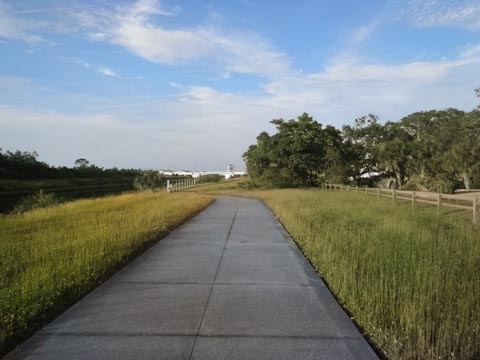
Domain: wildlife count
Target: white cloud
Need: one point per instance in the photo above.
(106, 71)
(464, 14)
(203, 127)
(150, 7)
(363, 33)
(12, 28)
(133, 28)
(200, 127)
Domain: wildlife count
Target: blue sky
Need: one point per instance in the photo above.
(190, 84)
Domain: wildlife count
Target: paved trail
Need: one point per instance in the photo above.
(229, 284)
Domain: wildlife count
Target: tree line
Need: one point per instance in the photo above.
(436, 150)
(25, 165)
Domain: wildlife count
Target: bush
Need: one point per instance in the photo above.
(209, 178)
(37, 201)
(247, 185)
(150, 180)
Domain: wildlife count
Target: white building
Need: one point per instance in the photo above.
(196, 174)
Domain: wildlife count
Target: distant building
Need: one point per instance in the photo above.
(196, 174)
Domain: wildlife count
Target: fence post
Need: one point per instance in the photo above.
(168, 186)
(366, 190)
(393, 195)
(378, 193)
(474, 207)
(439, 202)
(356, 188)
(348, 188)
(413, 199)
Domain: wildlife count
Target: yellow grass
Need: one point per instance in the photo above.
(51, 257)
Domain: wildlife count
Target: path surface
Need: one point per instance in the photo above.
(229, 284)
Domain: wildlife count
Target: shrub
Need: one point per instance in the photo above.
(37, 201)
(209, 178)
(150, 180)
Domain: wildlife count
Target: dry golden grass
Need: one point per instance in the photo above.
(51, 257)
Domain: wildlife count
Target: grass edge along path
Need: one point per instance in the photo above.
(411, 279)
(50, 258)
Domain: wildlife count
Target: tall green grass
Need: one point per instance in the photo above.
(411, 279)
(51, 257)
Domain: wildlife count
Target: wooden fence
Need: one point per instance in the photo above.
(438, 200)
(180, 184)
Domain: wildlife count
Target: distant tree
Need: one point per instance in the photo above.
(82, 163)
(22, 165)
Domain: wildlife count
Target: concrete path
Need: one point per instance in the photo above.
(229, 284)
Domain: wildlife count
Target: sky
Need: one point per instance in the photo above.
(173, 84)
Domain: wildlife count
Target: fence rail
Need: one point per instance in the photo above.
(180, 184)
(439, 200)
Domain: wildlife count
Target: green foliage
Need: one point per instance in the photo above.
(36, 201)
(297, 155)
(82, 163)
(24, 165)
(436, 150)
(209, 178)
(149, 180)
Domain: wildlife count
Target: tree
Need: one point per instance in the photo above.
(394, 152)
(463, 156)
(363, 139)
(434, 133)
(299, 154)
(82, 163)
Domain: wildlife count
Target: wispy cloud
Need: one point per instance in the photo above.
(18, 25)
(98, 69)
(12, 28)
(189, 122)
(363, 33)
(106, 71)
(49, 10)
(463, 14)
(134, 29)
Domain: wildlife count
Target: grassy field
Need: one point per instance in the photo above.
(51, 257)
(410, 279)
